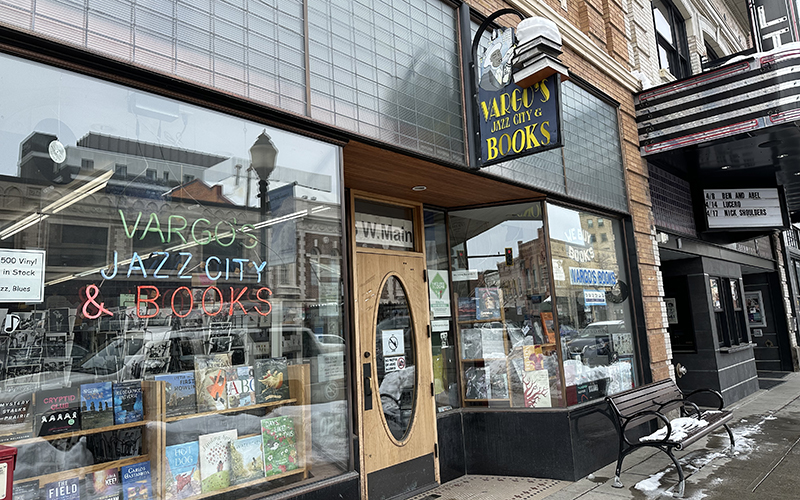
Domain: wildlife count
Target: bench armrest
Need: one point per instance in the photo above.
(712, 391)
(642, 414)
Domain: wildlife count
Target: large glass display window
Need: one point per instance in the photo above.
(542, 307)
(594, 313)
(508, 347)
(171, 296)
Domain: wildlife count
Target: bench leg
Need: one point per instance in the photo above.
(681, 480)
(617, 483)
(730, 434)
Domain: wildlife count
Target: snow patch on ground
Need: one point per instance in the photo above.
(651, 484)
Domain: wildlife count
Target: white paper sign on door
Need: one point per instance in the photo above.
(393, 343)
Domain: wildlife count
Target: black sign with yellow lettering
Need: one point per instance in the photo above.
(514, 121)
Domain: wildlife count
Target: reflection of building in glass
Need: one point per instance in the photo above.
(174, 214)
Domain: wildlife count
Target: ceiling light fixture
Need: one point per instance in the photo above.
(726, 167)
(419, 188)
(782, 156)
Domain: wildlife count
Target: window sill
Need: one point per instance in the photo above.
(736, 348)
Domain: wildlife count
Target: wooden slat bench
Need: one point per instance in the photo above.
(643, 404)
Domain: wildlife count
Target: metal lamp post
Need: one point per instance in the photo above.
(263, 154)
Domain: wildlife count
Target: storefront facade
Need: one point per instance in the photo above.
(240, 261)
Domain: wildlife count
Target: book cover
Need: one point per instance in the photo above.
(280, 446)
(97, 405)
(272, 380)
(476, 384)
(466, 308)
(67, 489)
(488, 303)
(471, 344)
(215, 460)
(136, 481)
(492, 343)
(210, 381)
(15, 417)
(533, 357)
(184, 470)
(57, 411)
(247, 459)
(241, 387)
(26, 491)
(536, 389)
(103, 485)
(181, 393)
(128, 402)
(547, 323)
(497, 374)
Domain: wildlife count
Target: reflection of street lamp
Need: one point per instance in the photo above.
(262, 159)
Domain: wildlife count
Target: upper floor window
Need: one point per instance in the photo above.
(673, 51)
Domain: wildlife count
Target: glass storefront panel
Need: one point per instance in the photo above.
(504, 312)
(166, 331)
(443, 337)
(594, 312)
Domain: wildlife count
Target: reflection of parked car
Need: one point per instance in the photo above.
(595, 342)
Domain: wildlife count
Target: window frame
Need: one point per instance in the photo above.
(678, 60)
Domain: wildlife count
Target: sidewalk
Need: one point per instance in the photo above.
(765, 464)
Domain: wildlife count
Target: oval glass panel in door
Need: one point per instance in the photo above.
(394, 346)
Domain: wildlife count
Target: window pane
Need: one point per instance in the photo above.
(505, 322)
(172, 306)
(594, 310)
(661, 13)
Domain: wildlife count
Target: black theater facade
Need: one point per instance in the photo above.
(722, 153)
(236, 261)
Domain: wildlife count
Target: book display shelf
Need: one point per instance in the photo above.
(299, 379)
(158, 426)
(484, 345)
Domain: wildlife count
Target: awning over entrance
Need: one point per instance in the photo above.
(734, 126)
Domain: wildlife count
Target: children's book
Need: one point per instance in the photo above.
(67, 489)
(280, 448)
(215, 460)
(97, 405)
(183, 480)
(181, 393)
(103, 485)
(57, 411)
(128, 402)
(247, 459)
(272, 380)
(211, 375)
(136, 481)
(241, 387)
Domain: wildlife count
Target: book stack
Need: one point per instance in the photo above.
(536, 55)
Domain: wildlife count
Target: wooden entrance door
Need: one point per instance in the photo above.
(397, 418)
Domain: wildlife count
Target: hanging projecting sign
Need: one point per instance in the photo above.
(513, 121)
(743, 208)
(773, 23)
(21, 276)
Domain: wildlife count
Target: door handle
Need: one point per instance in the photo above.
(367, 374)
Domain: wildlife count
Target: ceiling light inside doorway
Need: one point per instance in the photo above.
(726, 167)
(419, 188)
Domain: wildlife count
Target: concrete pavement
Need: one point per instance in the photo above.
(765, 464)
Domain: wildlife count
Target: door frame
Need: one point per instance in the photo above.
(358, 349)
